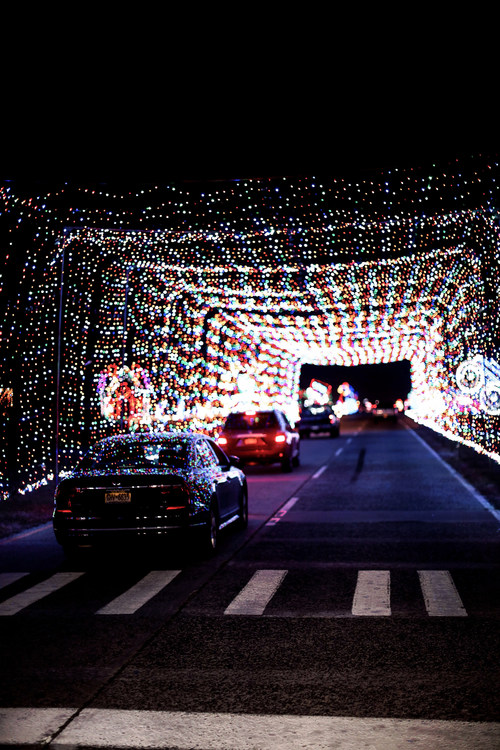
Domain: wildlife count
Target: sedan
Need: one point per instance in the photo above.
(150, 485)
(261, 437)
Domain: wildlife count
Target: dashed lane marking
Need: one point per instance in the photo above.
(137, 596)
(282, 511)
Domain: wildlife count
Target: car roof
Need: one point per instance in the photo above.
(152, 437)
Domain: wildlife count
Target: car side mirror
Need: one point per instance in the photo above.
(234, 461)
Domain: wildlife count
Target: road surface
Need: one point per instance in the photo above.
(360, 609)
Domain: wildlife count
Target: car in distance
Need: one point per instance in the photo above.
(384, 409)
(315, 420)
(261, 437)
(150, 485)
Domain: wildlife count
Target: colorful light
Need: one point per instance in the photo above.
(182, 304)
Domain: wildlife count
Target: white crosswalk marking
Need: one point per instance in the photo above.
(372, 594)
(35, 593)
(440, 595)
(253, 599)
(7, 578)
(130, 601)
(371, 598)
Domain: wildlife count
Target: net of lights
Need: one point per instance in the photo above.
(174, 307)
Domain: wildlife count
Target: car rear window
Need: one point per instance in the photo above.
(169, 454)
(252, 421)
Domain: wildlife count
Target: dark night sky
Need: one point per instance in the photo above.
(386, 381)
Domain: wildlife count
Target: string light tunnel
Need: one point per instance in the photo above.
(172, 306)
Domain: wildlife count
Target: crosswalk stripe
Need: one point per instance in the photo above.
(440, 595)
(372, 594)
(134, 598)
(256, 595)
(35, 593)
(7, 578)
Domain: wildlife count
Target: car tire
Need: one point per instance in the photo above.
(210, 534)
(296, 460)
(286, 464)
(335, 432)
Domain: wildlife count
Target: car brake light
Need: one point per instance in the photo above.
(280, 439)
(63, 499)
(176, 493)
(222, 441)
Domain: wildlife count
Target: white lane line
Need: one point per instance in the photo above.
(320, 471)
(7, 578)
(477, 495)
(440, 594)
(338, 451)
(35, 593)
(256, 595)
(119, 728)
(135, 597)
(372, 597)
(282, 511)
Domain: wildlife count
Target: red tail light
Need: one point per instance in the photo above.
(177, 496)
(280, 438)
(64, 496)
(222, 440)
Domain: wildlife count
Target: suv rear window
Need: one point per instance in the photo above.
(252, 421)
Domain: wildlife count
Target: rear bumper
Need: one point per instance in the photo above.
(261, 456)
(89, 530)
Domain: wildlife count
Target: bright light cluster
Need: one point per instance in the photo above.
(177, 307)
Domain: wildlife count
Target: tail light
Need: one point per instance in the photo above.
(63, 498)
(222, 440)
(280, 438)
(176, 496)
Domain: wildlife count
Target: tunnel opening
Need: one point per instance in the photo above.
(388, 382)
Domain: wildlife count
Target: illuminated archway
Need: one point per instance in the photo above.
(214, 299)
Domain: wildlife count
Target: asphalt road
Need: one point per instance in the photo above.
(359, 609)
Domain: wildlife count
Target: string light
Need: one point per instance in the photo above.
(180, 303)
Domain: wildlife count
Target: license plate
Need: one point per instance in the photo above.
(250, 441)
(117, 496)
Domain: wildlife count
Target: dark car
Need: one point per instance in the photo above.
(150, 485)
(261, 437)
(318, 419)
(384, 409)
